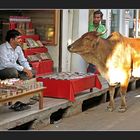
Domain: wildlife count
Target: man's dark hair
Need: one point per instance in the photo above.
(98, 12)
(12, 34)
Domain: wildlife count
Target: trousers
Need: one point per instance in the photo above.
(13, 73)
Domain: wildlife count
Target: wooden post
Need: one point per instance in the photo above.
(41, 100)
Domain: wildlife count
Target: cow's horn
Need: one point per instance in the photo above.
(99, 34)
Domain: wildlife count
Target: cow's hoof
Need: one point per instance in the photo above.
(122, 109)
(109, 109)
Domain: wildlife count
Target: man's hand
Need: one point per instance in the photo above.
(28, 72)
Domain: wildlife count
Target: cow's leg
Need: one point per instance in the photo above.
(123, 106)
(111, 105)
(123, 90)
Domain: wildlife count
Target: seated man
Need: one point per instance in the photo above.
(10, 54)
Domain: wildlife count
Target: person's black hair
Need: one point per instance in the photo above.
(12, 34)
(98, 12)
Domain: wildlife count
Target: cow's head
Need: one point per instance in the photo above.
(86, 43)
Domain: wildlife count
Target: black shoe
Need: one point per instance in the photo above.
(19, 106)
(15, 105)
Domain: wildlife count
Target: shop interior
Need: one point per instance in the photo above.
(39, 29)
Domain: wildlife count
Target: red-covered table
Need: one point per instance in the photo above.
(69, 88)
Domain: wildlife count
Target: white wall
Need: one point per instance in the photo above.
(108, 21)
(75, 24)
(123, 23)
(80, 26)
(137, 25)
(65, 24)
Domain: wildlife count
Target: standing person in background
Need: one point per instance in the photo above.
(96, 26)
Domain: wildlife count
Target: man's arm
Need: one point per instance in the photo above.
(22, 60)
(102, 30)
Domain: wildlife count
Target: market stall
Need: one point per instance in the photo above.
(67, 85)
(16, 89)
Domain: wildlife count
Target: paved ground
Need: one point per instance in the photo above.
(97, 118)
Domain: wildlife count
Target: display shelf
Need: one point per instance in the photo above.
(42, 67)
(32, 51)
(35, 37)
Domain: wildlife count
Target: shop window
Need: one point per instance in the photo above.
(115, 15)
(47, 27)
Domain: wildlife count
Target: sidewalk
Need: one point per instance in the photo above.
(10, 119)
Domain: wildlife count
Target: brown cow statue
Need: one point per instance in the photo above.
(117, 58)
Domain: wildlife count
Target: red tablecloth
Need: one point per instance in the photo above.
(69, 88)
